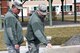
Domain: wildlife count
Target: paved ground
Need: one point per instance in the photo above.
(23, 49)
(55, 49)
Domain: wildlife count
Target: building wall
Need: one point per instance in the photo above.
(78, 7)
(32, 5)
(4, 7)
(55, 3)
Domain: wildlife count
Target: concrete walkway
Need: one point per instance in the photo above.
(55, 26)
(55, 49)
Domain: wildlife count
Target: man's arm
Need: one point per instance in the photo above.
(40, 34)
(38, 31)
(8, 29)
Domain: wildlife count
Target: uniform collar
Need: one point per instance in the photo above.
(42, 19)
(13, 13)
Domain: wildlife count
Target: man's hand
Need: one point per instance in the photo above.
(17, 46)
(49, 45)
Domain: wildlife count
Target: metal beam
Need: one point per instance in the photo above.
(62, 1)
(0, 18)
(75, 15)
(22, 14)
(50, 12)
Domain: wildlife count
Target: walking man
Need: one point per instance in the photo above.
(35, 30)
(13, 29)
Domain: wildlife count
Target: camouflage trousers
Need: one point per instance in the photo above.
(11, 49)
(33, 48)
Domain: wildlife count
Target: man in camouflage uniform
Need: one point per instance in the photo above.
(35, 30)
(13, 29)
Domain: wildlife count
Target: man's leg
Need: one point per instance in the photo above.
(11, 49)
(33, 48)
(17, 50)
(37, 48)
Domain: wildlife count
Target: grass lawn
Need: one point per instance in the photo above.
(68, 17)
(58, 17)
(59, 35)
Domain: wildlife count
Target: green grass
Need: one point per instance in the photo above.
(25, 19)
(57, 17)
(2, 44)
(68, 17)
(59, 35)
